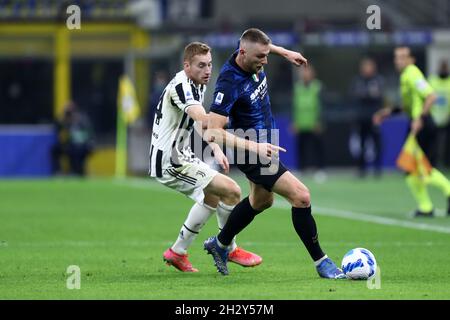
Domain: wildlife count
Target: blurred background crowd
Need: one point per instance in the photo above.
(59, 87)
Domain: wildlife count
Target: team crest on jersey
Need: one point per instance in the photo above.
(200, 173)
(219, 98)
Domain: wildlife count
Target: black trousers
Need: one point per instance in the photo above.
(77, 157)
(427, 138)
(367, 130)
(443, 146)
(310, 150)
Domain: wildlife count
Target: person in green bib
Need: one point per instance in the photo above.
(418, 98)
(441, 109)
(307, 122)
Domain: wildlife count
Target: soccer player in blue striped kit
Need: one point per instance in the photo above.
(241, 95)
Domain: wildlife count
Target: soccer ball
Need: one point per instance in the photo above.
(359, 264)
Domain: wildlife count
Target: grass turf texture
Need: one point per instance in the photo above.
(116, 232)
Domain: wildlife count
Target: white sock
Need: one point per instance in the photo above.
(223, 212)
(196, 219)
(316, 263)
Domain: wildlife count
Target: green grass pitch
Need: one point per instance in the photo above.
(116, 232)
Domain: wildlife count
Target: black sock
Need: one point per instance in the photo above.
(306, 229)
(239, 218)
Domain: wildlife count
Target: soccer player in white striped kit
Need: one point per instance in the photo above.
(173, 164)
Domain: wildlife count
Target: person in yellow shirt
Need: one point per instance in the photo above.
(418, 97)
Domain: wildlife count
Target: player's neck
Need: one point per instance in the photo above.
(190, 79)
(407, 66)
(240, 64)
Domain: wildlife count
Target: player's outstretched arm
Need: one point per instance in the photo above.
(199, 115)
(295, 58)
(217, 133)
(222, 137)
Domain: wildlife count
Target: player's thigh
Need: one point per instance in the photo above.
(293, 190)
(190, 179)
(260, 198)
(224, 188)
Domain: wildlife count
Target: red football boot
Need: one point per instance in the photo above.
(179, 261)
(244, 258)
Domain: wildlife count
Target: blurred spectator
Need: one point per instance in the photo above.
(367, 93)
(161, 80)
(75, 140)
(307, 121)
(441, 110)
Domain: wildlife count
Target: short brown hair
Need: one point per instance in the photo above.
(256, 36)
(195, 48)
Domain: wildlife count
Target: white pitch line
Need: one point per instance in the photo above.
(345, 214)
(330, 212)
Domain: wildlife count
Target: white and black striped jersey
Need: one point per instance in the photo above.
(172, 126)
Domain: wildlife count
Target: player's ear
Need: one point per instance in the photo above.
(186, 64)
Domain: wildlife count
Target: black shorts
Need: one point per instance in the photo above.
(427, 139)
(263, 174)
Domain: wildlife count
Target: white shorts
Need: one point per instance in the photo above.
(191, 178)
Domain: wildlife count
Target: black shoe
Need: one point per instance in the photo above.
(419, 213)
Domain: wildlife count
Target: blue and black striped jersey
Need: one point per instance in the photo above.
(243, 97)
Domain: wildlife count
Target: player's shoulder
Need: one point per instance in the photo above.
(180, 77)
(229, 77)
(413, 72)
(180, 84)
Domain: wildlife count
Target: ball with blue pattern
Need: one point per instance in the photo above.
(359, 264)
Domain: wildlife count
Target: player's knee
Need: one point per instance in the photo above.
(268, 202)
(233, 193)
(301, 198)
(261, 204)
(236, 192)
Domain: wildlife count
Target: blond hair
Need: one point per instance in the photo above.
(195, 48)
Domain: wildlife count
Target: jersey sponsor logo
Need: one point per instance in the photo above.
(261, 90)
(219, 98)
